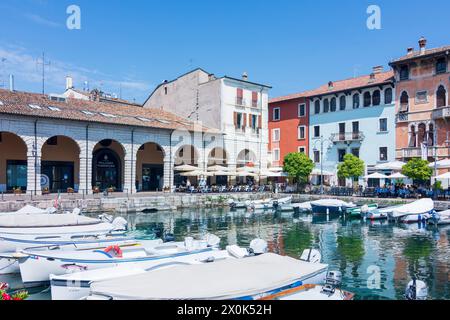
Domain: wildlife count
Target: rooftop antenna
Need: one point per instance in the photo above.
(120, 91)
(2, 74)
(44, 64)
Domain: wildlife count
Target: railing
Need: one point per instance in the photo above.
(415, 153)
(347, 137)
(401, 117)
(441, 113)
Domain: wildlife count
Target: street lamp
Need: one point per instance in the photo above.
(322, 140)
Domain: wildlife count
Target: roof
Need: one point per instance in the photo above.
(342, 85)
(416, 54)
(246, 81)
(18, 103)
(104, 98)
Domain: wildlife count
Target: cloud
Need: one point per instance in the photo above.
(41, 20)
(26, 69)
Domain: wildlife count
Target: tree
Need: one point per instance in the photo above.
(352, 167)
(417, 169)
(298, 166)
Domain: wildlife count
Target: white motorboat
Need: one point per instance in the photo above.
(260, 204)
(53, 224)
(37, 265)
(76, 285)
(412, 218)
(440, 218)
(10, 244)
(249, 278)
(29, 210)
(419, 207)
(234, 204)
(330, 206)
(302, 207)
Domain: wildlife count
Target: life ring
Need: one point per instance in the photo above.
(116, 249)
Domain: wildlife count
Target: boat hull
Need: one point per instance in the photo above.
(323, 209)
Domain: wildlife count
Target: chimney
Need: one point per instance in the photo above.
(422, 45)
(410, 50)
(330, 85)
(211, 77)
(69, 82)
(378, 69)
(372, 77)
(11, 82)
(245, 76)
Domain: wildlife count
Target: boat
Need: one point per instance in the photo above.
(74, 286)
(10, 244)
(250, 278)
(302, 207)
(416, 208)
(411, 218)
(260, 204)
(358, 211)
(330, 206)
(29, 210)
(54, 224)
(237, 204)
(37, 265)
(281, 202)
(439, 218)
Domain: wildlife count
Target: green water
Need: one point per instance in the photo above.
(354, 247)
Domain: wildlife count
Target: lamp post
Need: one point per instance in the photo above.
(322, 140)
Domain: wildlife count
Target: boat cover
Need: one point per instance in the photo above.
(26, 210)
(45, 220)
(303, 205)
(416, 207)
(226, 279)
(332, 203)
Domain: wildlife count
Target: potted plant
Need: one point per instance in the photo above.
(70, 190)
(19, 295)
(96, 189)
(45, 190)
(166, 189)
(111, 189)
(17, 190)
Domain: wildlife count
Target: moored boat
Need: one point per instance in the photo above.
(330, 206)
(357, 212)
(420, 207)
(440, 218)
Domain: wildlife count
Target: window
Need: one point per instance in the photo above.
(404, 102)
(301, 110)
(16, 174)
(355, 152)
(431, 135)
(376, 98)
(34, 106)
(383, 125)
(275, 135)
(421, 97)
(326, 105)
(342, 103)
(404, 72)
(441, 97)
(301, 149)
(367, 99)
(239, 120)
(301, 132)
(388, 96)
(441, 66)
(276, 154)
(88, 113)
(341, 154)
(356, 101)
(254, 99)
(239, 97)
(317, 107)
(276, 114)
(383, 154)
(316, 131)
(108, 115)
(165, 90)
(143, 119)
(333, 104)
(316, 156)
(253, 122)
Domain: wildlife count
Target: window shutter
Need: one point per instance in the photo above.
(255, 96)
(250, 120)
(235, 119)
(260, 122)
(240, 93)
(245, 121)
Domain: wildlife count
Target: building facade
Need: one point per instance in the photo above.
(422, 103)
(71, 145)
(238, 108)
(288, 127)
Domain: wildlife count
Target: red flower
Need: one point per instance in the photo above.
(6, 296)
(16, 298)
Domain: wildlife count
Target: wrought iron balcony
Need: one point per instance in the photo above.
(401, 117)
(441, 113)
(347, 137)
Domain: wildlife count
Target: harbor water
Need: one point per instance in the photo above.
(377, 259)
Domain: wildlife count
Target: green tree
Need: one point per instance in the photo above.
(417, 169)
(352, 167)
(298, 166)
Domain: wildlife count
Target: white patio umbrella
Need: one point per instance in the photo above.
(196, 173)
(223, 173)
(247, 169)
(444, 176)
(268, 174)
(441, 164)
(394, 165)
(245, 174)
(397, 175)
(276, 169)
(218, 168)
(185, 167)
(317, 172)
(376, 175)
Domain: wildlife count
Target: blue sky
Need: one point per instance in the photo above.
(290, 45)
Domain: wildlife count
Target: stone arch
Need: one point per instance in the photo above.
(13, 162)
(150, 158)
(441, 96)
(108, 165)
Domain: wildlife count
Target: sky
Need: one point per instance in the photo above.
(129, 47)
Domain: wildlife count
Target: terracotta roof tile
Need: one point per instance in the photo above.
(417, 54)
(341, 85)
(18, 103)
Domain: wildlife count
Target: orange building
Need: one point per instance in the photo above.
(422, 103)
(288, 126)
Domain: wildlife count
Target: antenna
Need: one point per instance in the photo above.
(44, 64)
(2, 73)
(120, 91)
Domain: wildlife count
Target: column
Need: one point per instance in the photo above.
(34, 169)
(129, 181)
(232, 168)
(168, 174)
(85, 173)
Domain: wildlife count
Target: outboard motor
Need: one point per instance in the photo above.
(120, 224)
(435, 217)
(311, 255)
(106, 218)
(212, 240)
(416, 290)
(51, 210)
(275, 204)
(257, 247)
(169, 237)
(332, 282)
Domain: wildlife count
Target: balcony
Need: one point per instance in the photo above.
(441, 113)
(240, 102)
(401, 117)
(415, 153)
(347, 137)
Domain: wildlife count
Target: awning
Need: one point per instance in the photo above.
(376, 175)
(185, 167)
(394, 165)
(441, 164)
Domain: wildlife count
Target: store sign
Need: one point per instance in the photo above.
(105, 162)
(45, 181)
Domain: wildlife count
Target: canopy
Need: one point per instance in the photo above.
(218, 168)
(441, 164)
(185, 167)
(246, 168)
(223, 173)
(269, 174)
(318, 172)
(394, 165)
(397, 175)
(245, 174)
(276, 169)
(221, 280)
(444, 176)
(376, 175)
(196, 173)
